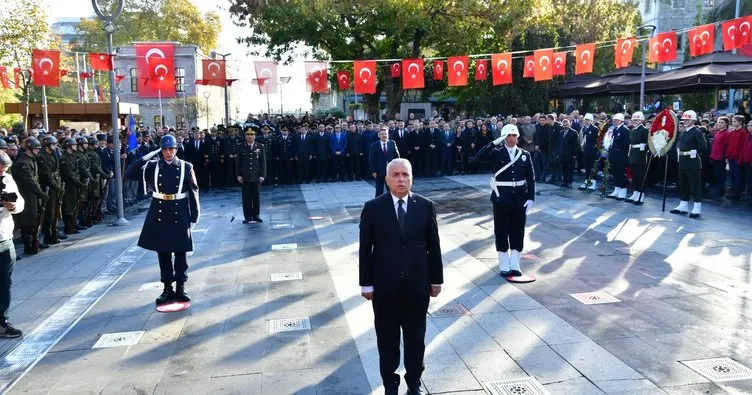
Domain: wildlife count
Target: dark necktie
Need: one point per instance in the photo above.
(384, 147)
(401, 214)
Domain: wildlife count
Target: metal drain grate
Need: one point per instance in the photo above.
(720, 369)
(595, 297)
(285, 276)
(523, 386)
(289, 246)
(289, 324)
(450, 310)
(151, 286)
(119, 339)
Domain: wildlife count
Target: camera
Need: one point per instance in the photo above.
(6, 196)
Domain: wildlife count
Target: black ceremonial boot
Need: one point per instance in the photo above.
(167, 295)
(180, 294)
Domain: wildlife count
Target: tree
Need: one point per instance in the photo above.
(187, 108)
(153, 20)
(726, 9)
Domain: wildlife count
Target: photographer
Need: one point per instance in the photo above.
(12, 203)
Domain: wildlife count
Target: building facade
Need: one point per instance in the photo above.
(67, 29)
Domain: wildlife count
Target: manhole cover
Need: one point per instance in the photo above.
(526, 386)
(720, 369)
(118, 339)
(736, 242)
(285, 276)
(282, 226)
(151, 286)
(450, 310)
(289, 324)
(595, 297)
(289, 246)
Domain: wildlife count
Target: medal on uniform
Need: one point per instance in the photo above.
(523, 158)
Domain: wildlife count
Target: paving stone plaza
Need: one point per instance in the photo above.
(629, 300)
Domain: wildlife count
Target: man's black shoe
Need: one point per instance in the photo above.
(246, 221)
(391, 391)
(7, 331)
(43, 245)
(62, 236)
(515, 273)
(180, 294)
(415, 391)
(167, 295)
(257, 219)
(79, 227)
(675, 211)
(505, 274)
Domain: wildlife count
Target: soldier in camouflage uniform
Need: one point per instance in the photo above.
(97, 181)
(83, 170)
(71, 175)
(26, 176)
(49, 177)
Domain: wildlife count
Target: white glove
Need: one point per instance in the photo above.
(528, 205)
(498, 141)
(693, 153)
(642, 147)
(151, 154)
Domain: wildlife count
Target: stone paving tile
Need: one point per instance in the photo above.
(544, 364)
(492, 365)
(300, 382)
(46, 373)
(449, 374)
(236, 385)
(549, 327)
(577, 385)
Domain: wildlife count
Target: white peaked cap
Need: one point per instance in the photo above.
(638, 115)
(618, 116)
(689, 114)
(588, 117)
(509, 129)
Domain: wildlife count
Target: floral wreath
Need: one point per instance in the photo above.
(602, 160)
(663, 132)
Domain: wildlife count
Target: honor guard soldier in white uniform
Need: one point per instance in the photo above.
(691, 146)
(638, 158)
(513, 194)
(173, 213)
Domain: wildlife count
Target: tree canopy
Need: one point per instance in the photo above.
(386, 29)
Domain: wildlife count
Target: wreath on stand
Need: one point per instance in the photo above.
(601, 162)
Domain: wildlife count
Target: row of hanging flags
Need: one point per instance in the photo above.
(155, 64)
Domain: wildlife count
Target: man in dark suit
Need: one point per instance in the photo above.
(400, 268)
(338, 147)
(569, 149)
(379, 155)
(618, 157)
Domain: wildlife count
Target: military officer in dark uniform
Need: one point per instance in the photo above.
(71, 176)
(230, 145)
(214, 158)
(27, 178)
(251, 170)
(513, 194)
(49, 177)
(589, 149)
(173, 213)
(284, 155)
(268, 140)
(638, 157)
(691, 145)
(618, 156)
(321, 153)
(304, 154)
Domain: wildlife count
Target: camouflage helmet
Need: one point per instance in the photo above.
(32, 143)
(49, 140)
(69, 142)
(92, 140)
(81, 140)
(3, 144)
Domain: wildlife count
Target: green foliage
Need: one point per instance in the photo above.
(725, 9)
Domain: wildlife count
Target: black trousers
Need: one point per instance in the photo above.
(218, 177)
(285, 172)
(169, 272)
(322, 170)
(232, 178)
(690, 185)
(250, 195)
(340, 169)
(509, 226)
(567, 171)
(619, 172)
(353, 166)
(638, 174)
(447, 159)
(304, 169)
(392, 313)
(417, 158)
(7, 262)
(380, 184)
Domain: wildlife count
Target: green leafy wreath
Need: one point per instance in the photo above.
(603, 161)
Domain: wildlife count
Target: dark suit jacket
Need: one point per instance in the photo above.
(376, 159)
(386, 253)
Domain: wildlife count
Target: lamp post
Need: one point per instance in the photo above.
(109, 28)
(651, 30)
(206, 95)
(214, 54)
(737, 10)
(282, 81)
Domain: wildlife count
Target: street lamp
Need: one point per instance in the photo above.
(206, 95)
(109, 28)
(282, 81)
(214, 54)
(651, 30)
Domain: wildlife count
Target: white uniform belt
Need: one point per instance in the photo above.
(511, 183)
(165, 196)
(635, 145)
(685, 153)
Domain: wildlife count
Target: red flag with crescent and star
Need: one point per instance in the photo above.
(501, 66)
(162, 77)
(457, 72)
(662, 48)
(101, 61)
(737, 32)
(438, 70)
(17, 76)
(528, 71)
(4, 77)
(214, 72)
(481, 70)
(266, 73)
(317, 77)
(584, 55)
(623, 51)
(343, 80)
(543, 64)
(46, 67)
(396, 70)
(412, 78)
(364, 73)
(147, 55)
(560, 63)
(701, 40)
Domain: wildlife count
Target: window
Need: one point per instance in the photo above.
(648, 6)
(134, 80)
(157, 122)
(179, 79)
(678, 3)
(179, 123)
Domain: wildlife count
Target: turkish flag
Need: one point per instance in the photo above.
(364, 74)
(543, 64)
(413, 75)
(529, 69)
(119, 78)
(343, 80)
(623, 51)
(266, 73)
(481, 70)
(560, 63)
(701, 39)
(584, 54)
(662, 48)
(438, 70)
(396, 70)
(146, 60)
(162, 76)
(17, 76)
(502, 68)
(46, 67)
(317, 77)
(4, 77)
(457, 74)
(737, 33)
(101, 61)
(214, 72)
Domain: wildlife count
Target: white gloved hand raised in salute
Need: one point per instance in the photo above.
(151, 154)
(498, 141)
